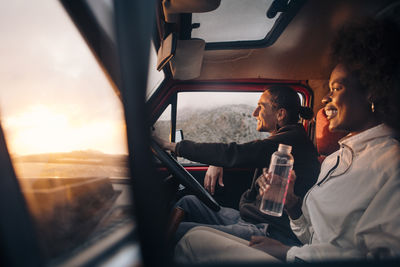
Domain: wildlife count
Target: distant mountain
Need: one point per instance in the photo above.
(229, 123)
(76, 157)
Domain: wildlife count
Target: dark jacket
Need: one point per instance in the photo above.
(257, 154)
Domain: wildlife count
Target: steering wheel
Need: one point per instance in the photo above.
(184, 176)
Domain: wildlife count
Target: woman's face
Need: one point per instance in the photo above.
(346, 105)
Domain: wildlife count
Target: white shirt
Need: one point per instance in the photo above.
(353, 212)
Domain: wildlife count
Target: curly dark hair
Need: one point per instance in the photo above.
(370, 49)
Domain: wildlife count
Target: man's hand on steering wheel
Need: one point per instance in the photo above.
(166, 145)
(213, 174)
(177, 170)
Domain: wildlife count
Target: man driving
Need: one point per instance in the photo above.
(277, 112)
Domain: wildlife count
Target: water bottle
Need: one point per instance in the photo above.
(280, 166)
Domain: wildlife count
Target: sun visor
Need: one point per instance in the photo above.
(187, 61)
(174, 7)
(166, 51)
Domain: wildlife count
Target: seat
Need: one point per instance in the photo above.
(326, 141)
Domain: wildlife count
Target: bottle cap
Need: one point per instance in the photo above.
(285, 148)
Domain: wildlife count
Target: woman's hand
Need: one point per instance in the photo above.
(291, 198)
(263, 182)
(166, 145)
(292, 202)
(270, 246)
(213, 174)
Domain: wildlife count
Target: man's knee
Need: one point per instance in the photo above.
(187, 201)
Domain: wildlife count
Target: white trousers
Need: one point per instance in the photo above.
(207, 245)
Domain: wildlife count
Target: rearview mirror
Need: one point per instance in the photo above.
(178, 136)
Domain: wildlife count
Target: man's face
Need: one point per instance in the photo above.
(265, 114)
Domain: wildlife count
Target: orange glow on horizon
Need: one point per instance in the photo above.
(40, 129)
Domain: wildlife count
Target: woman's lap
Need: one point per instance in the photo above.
(207, 245)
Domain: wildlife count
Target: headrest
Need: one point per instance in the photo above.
(327, 141)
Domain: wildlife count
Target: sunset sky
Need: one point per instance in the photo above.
(53, 95)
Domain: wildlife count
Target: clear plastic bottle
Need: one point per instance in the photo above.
(280, 166)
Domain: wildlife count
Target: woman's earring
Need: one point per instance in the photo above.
(372, 107)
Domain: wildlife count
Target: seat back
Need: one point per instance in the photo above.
(327, 141)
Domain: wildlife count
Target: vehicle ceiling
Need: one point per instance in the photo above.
(300, 53)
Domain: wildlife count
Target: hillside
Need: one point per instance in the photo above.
(76, 157)
(229, 123)
(86, 163)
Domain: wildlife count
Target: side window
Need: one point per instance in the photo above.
(64, 128)
(155, 77)
(162, 127)
(218, 117)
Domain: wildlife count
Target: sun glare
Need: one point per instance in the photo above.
(40, 129)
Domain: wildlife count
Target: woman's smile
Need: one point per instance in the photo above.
(330, 112)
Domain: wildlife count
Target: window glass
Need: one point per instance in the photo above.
(218, 117)
(162, 127)
(234, 20)
(103, 10)
(155, 77)
(64, 126)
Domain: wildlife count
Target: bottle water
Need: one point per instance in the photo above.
(280, 166)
